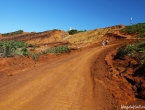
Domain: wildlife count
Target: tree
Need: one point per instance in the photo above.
(74, 31)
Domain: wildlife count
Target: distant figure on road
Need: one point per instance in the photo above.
(106, 42)
(103, 43)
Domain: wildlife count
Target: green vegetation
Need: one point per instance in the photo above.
(7, 51)
(136, 51)
(57, 50)
(35, 56)
(20, 48)
(138, 29)
(14, 44)
(13, 48)
(25, 51)
(13, 33)
(74, 31)
(71, 32)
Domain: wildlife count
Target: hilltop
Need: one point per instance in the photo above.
(88, 36)
(96, 35)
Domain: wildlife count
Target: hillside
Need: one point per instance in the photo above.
(55, 37)
(93, 35)
(55, 70)
(39, 38)
(90, 36)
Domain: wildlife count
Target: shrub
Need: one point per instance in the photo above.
(13, 33)
(136, 51)
(25, 51)
(120, 52)
(140, 44)
(57, 50)
(12, 48)
(138, 29)
(6, 51)
(71, 32)
(74, 31)
(35, 56)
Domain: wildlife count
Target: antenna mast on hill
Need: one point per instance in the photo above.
(131, 21)
(70, 28)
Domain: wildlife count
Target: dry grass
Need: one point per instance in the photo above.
(90, 36)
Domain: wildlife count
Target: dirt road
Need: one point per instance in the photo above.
(62, 84)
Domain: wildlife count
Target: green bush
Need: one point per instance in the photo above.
(13, 33)
(120, 52)
(71, 32)
(7, 51)
(138, 29)
(14, 44)
(25, 51)
(35, 56)
(136, 51)
(12, 48)
(57, 50)
(74, 31)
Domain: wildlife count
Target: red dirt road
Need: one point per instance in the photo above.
(64, 84)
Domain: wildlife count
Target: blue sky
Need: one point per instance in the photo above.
(42, 15)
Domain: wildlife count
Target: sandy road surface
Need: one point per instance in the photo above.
(64, 84)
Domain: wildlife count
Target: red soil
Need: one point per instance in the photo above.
(87, 78)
